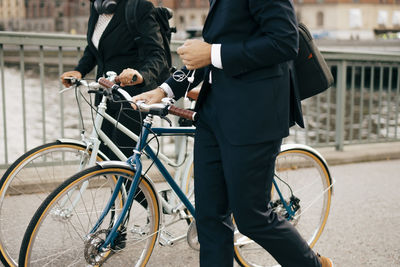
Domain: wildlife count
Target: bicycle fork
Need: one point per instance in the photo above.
(290, 207)
(136, 165)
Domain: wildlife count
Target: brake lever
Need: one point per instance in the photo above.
(74, 83)
(66, 89)
(98, 91)
(168, 120)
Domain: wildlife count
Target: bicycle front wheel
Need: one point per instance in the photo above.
(59, 233)
(27, 182)
(302, 173)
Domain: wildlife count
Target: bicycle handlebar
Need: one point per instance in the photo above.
(180, 112)
(134, 78)
(160, 109)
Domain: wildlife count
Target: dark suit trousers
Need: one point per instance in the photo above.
(237, 180)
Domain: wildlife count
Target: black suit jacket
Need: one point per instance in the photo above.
(256, 89)
(119, 49)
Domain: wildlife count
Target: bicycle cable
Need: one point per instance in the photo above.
(121, 111)
(79, 107)
(93, 108)
(291, 191)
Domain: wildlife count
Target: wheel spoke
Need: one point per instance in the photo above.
(30, 179)
(88, 193)
(301, 174)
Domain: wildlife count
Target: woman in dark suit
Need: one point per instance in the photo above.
(112, 47)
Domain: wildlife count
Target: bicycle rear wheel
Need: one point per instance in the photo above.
(300, 172)
(58, 234)
(27, 182)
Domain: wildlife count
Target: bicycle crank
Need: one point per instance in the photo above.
(191, 236)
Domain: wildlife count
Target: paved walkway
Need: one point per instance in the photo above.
(363, 224)
(361, 153)
(362, 229)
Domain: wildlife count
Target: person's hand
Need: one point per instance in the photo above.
(150, 97)
(67, 82)
(126, 76)
(195, 54)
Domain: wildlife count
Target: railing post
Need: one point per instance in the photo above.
(3, 97)
(22, 70)
(41, 75)
(340, 104)
(60, 72)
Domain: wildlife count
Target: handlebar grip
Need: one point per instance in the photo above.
(184, 113)
(106, 83)
(134, 78)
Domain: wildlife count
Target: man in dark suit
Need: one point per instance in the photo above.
(112, 47)
(246, 105)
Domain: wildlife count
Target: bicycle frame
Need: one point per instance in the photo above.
(136, 164)
(94, 141)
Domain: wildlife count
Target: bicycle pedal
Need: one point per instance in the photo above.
(139, 232)
(165, 238)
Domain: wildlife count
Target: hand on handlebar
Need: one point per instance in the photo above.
(150, 97)
(151, 101)
(70, 74)
(129, 77)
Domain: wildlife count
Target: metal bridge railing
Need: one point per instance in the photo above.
(361, 107)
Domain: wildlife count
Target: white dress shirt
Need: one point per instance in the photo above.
(100, 27)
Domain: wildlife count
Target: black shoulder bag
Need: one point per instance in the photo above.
(313, 74)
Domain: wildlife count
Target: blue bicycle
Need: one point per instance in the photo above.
(110, 214)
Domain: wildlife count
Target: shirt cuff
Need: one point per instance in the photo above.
(216, 56)
(167, 89)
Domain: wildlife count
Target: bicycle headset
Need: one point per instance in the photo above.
(105, 6)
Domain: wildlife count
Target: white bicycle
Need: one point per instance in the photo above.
(35, 174)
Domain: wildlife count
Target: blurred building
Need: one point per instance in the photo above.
(350, 19)
(71, 16)
(330, 19)
(68, 16)
(189, 16)
(12, 14)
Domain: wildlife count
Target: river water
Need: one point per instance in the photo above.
(49, 115)
(37, 104)
(369, 116)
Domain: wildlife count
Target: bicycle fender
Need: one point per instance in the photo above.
(125, 165)
(77, 142)
(121, 164)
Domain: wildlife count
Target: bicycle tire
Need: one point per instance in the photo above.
(33, 172)
(308, 175)
(73, 225)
